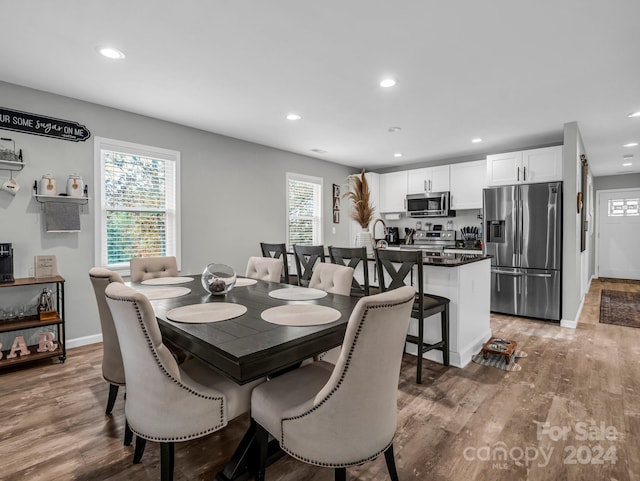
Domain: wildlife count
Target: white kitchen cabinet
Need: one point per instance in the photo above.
(467, 181)
(428, 179)
(393, 191)
(525, 167)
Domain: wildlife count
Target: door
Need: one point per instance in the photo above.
(501, 224)
(540, 294)
(439, 178)
(619, 234)
(393, 191)
(541, 226)
(467, 181)
(504, 169)
(542, 165)
(506, 290)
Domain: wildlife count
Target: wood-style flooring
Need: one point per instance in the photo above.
(571, 413)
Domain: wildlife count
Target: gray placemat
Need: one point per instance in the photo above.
(210, 312)
(300, 315)
(164, 292)
(160, 281)
(297, 294)
(243, 282)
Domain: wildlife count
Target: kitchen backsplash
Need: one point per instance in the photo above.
(462, 219)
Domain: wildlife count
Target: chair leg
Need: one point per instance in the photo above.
(139, 451)
(391, 463)
(262, 441)
(341, 474)
(420, 349)
(111, 400)
(444, 319)
(166, 461)
(128, 434)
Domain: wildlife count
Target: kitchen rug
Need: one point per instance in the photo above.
(300, 315)
(620, 308)
(497, 360)
(210, 312)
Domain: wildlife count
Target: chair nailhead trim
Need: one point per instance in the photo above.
(332, 392)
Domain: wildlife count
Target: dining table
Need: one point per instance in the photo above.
(248, 347)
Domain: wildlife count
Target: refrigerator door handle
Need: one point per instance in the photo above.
(538, 275)
(509, 273)
(518, 175)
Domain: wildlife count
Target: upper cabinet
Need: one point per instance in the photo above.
(429, 179)
(467, 181)
(525, 167)
(393, 191)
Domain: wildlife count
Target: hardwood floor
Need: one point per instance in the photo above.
(52, 422)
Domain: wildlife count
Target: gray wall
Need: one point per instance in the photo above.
(611, 182)
(233, 195)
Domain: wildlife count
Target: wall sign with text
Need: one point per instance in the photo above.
(336, 204)
(34, 124)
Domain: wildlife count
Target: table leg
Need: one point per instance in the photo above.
(243, 462)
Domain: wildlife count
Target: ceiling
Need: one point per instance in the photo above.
(510, 72)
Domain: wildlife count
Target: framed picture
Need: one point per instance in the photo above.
(336, 204)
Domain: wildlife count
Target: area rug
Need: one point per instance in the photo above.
(496, 360)
(620, 308)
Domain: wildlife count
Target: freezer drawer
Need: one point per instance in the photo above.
(526, 292)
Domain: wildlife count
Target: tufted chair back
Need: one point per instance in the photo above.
(112, 367)
(264, 268)
(332, 278)
(351, 410)
(144, 268)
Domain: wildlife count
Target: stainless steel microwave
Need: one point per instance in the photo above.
(428, 204)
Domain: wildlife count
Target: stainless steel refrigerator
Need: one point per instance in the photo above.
(523, 233)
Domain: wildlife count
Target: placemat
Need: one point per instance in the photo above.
(161, 292)
(210, 312)
(243, 282)
(159, 281)
(297, 294)
(300, 315)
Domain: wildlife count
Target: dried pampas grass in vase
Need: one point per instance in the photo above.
(361, 209)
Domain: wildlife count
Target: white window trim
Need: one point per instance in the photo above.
(304, 178)
(102, 143)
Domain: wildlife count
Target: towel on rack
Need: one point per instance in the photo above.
(61, 217)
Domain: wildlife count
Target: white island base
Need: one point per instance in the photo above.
(468, 287)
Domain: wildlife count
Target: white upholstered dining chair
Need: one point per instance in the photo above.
(336, 279)
(112, 367)
(264, 268)
(343, 415)
(144, 268)
(167, 402)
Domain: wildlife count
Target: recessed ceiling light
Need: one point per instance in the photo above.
(627, 164)
(293, 117)
(476, 140)
(397, 154)
(388, 82)
(634, 114)
(112, 53)
(631, 144)
(394, 129)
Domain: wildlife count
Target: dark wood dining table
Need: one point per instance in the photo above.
(247, 347)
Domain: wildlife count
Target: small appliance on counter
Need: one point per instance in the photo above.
(6, 263)
(392, 236)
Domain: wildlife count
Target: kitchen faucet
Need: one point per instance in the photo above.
(373, 229)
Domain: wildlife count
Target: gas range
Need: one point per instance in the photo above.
(434, 240)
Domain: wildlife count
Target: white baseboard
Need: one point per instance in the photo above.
(572, 324)
(84, 341)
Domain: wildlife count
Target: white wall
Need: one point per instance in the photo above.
(233, 195)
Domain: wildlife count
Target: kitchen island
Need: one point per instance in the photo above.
(466, 281)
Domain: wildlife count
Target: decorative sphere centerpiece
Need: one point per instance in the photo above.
(218, 279)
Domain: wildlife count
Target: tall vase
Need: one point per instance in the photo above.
(364, 238)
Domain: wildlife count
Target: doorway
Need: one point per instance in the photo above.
(618, 234)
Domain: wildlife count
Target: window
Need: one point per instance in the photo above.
(624, 207)
(304, 210)
(137, 188)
